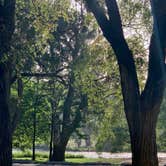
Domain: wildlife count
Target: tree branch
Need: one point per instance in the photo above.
(9, 6)
(153, 90)
(45, 75)
(113, 32)
(157, 51)
(114, 15)
(39, 74)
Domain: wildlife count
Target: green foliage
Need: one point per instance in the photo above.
(35, 23)
(45, 40)
(32, 102)
(136, 16)
(161, 127)
(48, 51)
(113, 131)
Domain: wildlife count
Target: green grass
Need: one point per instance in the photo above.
(43, 157)
(28, 155)
(99, 160)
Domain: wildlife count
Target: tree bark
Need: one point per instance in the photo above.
(5, 129)
(61, 136)
(59, 142)
(143, 144)
(58, 153)
(34, 136)
(7, 25)
(51, 137)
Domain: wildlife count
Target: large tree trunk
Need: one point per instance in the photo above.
(5, 129)
(7, 25)
(143, 141)
(61, 136)
(59, 144)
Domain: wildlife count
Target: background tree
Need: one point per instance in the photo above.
(51, 59)
(57, 63)
(31, 39)
(66, 50)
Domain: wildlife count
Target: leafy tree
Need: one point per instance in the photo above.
(66, 116)
(99, 75)
(141, 108)
(52, 58)
(59, 65)
(36, 20)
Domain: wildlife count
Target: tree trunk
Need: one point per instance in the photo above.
(59, 145)
(143, 140)
(58, 153)
(51, 137)
(5, 135)
(7, 26)
(34, 135)
(5, 129)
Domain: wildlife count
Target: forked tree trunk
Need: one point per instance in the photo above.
(141, 108)
(5, 130)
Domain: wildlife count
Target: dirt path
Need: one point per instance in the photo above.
(109, 155)
(125, 156)
(102, 154)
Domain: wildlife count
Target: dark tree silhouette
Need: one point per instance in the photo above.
(141, 108)
(7, 13)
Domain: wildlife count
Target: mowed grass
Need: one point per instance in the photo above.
(94, 160)
(43, 157)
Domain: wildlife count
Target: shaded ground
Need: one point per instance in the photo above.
(67, 164)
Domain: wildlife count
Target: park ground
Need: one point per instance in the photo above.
(85, 158)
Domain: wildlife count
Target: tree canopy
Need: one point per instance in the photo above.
(68, 69)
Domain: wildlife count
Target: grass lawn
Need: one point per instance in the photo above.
(43, 157)
(99, 160)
